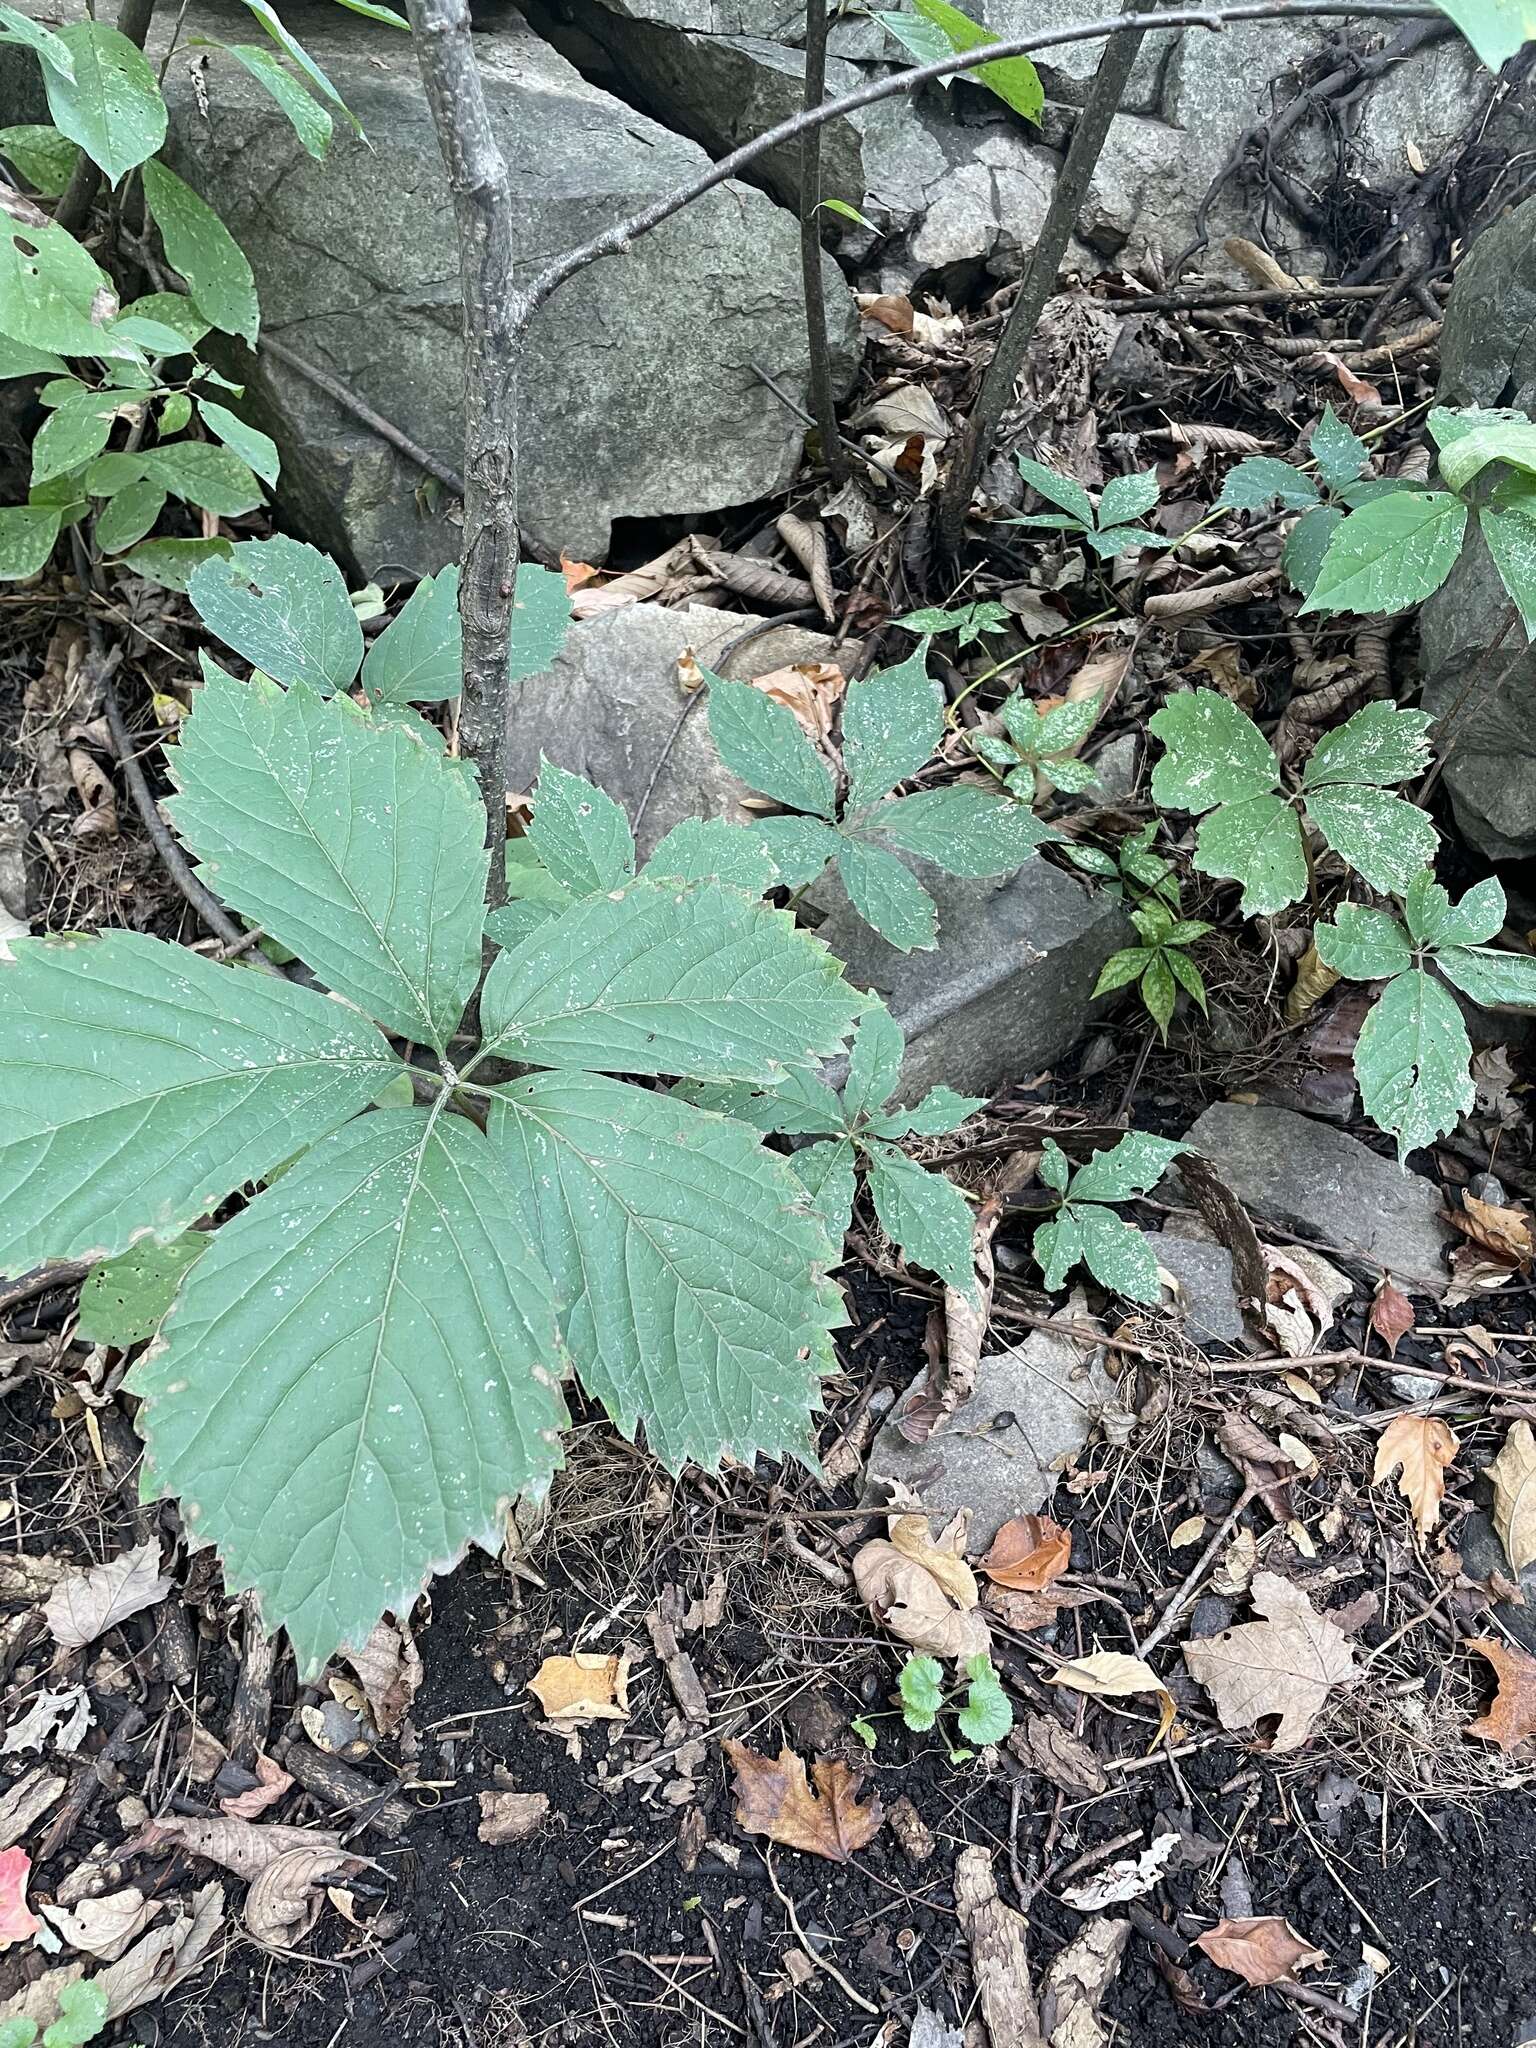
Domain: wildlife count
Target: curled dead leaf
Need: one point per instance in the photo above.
(388, 1667)
(241, 1846)
(583, 1687)
(1028, 1554)
(1513, 1473)
(1511, 1719)
(1267, 1950)
(105, 1926)
(272, 1781)
(284, 1901)
(912, 1602)
(1391, 1315)
(1418, 1448)
(1504, 1232)
(773, 1798)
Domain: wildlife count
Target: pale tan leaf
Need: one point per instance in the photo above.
(1511, 1719)
(584, 1687)
(511, 1816)
(23, 1804)
(1418, 1448)
(1261, 1951)
(1284, 1665)
(85, 1604)
(1189, 1531)
(165, 1957)
(907, 1598)
(1132, 1877)
(240, 1846)
(284, 1901)
(774, 1799)
(943, 1557)
(56, 1719)
(1108, 1675)
(388, 1667)
(810, 689)
(1513, 1473)
(1505, 1232)
(104, 1927)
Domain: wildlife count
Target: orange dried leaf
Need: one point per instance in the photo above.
(585, 1687)
(1418, 1448)
(1028, 1553)
(774, 1799)
(1391, 1316)
(1511, 1719)
(1262, 1951)
(1504, 1232)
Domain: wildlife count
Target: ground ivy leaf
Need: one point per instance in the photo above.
(1379, 745)
(652, 979)
(1213, 753)
(1490, 977)
(686, 1255)
(1058, 1246)
(1128, 1168)
(123, 1300)
(1390, 554)
(892, 721)
(357, 1376)
(987, 1714)
(1384, 838)
(579, 832)
(925, 1214)
(760, 740)
(887, 895)
(965, 831)
(826, 1172)
(146, 1082)
(418, 658)
(1365, 944)
(1117, 1254)
(1412, 1061)
(284, 606)
(1257, 843)
(354, 845)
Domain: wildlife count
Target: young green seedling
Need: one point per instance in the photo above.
(1085, 1231)
(1110, 528)
(1040, 751)
(984, 1715)
(968, 622)
(1133, 871)
(1160, 964)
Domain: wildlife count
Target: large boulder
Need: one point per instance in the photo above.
(1480, 680)
(639, 396)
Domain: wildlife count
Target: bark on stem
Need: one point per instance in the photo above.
(1083, 153)
(494, 324)
(823, 403)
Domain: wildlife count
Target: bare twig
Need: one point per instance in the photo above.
(823, 402)
(349, 402)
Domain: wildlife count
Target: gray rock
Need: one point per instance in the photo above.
(1423, 103)
(1488, 347)
(1067, 71)
(1207, 1298)
(1324, 1184)
(1007, 990)
(608, 705)
(1482, 1554)
(638, 395)
(1033, 1408)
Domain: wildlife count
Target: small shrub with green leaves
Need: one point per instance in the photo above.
(892, 723)
(1160, 966)
(1085, 1231)
(1110, 528)
(1252, 830)
(1039, 752)
(923, 1213)
(984, 1715)
(82, 2016)
(968, 622)
(1133, 871)
(1413, 1057)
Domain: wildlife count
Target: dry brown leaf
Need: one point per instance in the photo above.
(240, 1846)
(1418, 1448)
(23, 1804)
(511, 1816)
(93, 786)
(1056, 1753)
(911, 1602)
(943, 1556)
(272, 1781)
(774, 1799)
(1314, 978)
(891, 310)
(1302, 1292)
(1511, 1719)
(1391, 1315)
(104, 1927)
(85, 1604)
(284, 1901)
(812, 690)
(1505, 1232)
(1513, 1473)
(584, 1687)
(1285, 1664)
(165, 1957)
(388, 1667)
(1026, 1611)
(1262, 1951)
(1028, 1553)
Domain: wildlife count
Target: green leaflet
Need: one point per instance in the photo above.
(112, 106)
(256, 450)
(965, 831)
(1390, 553)
(284, 606)
(892, 721)
(1365, 944)
(579, 833)
(1478, 917)
(215, 479)
(71, 435)
(55, 297)
(1379, 745)
(1118, 1255)
(926, 1214)
(1508, 525)
(358, 848)
(290, 45)
(888, 896)
(311, 123)
(55, 54)
(658, 980)
(1479, 437)
(418, 658)
(199, 245)
(123, 1300)
(714, 850)
(1130, 1167)
(1490, 977)
(1258, 843)
(1085, 1232)
(826, 1173)
(1307, 543)
(968, 622)
(1496, 29)
(27, 535)
(1383, 837)
(1340, 453)
(1058, 1247)
(1014, 79)
(1213, 753)
(1412, 1061)
(174, 562)
(799, 847)
(1262, 480)
(541, 618)
(874, 1063)
(358, 1375)
(681, 1248)
(760, 740)
(143, 1083)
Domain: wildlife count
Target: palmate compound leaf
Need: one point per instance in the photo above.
(357, 847)
(687, 1257)
(695, 981)
(144, 1083)
(358, 1375)
(1413, 1060)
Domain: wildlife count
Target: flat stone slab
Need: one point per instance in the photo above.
(1207, 1299)
(999, 1455)
(1322, 1183)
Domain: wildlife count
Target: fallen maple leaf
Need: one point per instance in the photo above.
(1418, 1448)
(585, 1687)
(1028, 1553)
(774, 1799)
(1511, 1719)
(1285, 1665)
(1261, 1951)
(1391, 1315)
(1513, 1473)
(17, 1920)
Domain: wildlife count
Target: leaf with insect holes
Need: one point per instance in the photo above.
(761, 740)
(124, 1300)
(1213, 754)
(1418, 1448)
(202, 249)
(965, 831)
(1389, 554)
(820, 1818)
(715, 850)
(1262, 480)
(1339, 452)
(921, 1687)
(356, 847)
(1413, 1061)
(112, 105)
(925, 1213)
(1511, 1720)
(887, 895)
(1433, 921)
(579, 833)
(284, 606)
(892, 721)
(987, 1714)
